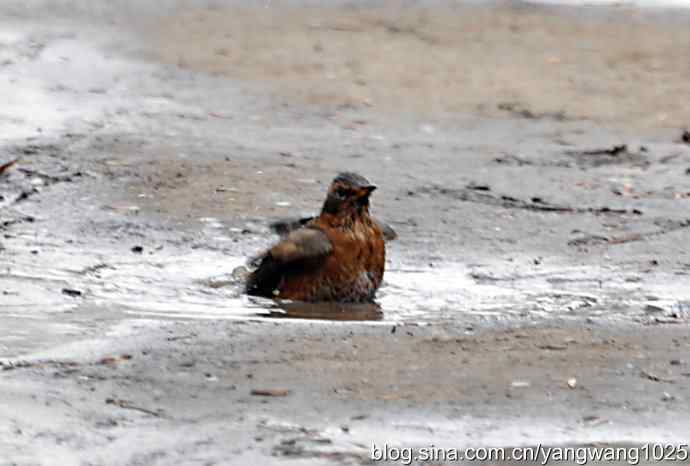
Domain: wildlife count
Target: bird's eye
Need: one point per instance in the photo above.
(342, 192)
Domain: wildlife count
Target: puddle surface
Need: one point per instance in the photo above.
(201, 285)
(59, 293)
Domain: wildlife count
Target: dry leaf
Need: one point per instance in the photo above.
(5, 166)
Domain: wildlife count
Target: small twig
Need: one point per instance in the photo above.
(509, 202)
(551, 347)
(270, 392)
(94, 268)
(654, 377)
(8, 223)
(613, 151)
(49, 179)
(12, 365)
(124, 404)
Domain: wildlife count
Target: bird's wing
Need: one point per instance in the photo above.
(302, 250)
(285, 226)
(302, 244)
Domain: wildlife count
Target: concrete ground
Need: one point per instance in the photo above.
(530, 158)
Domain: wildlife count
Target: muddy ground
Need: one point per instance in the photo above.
(537, 293)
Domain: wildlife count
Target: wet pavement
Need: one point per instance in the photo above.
(534, 249)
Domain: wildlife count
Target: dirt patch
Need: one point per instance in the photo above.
(527, 61)
(415, 386)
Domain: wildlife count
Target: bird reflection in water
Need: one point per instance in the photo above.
(325, 311)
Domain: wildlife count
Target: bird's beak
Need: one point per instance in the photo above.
(367, 190)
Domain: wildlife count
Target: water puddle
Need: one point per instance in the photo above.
(62, 293)
(201, 285)
(55, 81)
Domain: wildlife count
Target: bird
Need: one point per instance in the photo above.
(337, 256)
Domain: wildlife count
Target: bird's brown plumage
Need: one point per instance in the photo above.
(338, 256)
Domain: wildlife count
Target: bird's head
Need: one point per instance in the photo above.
(348, 195)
